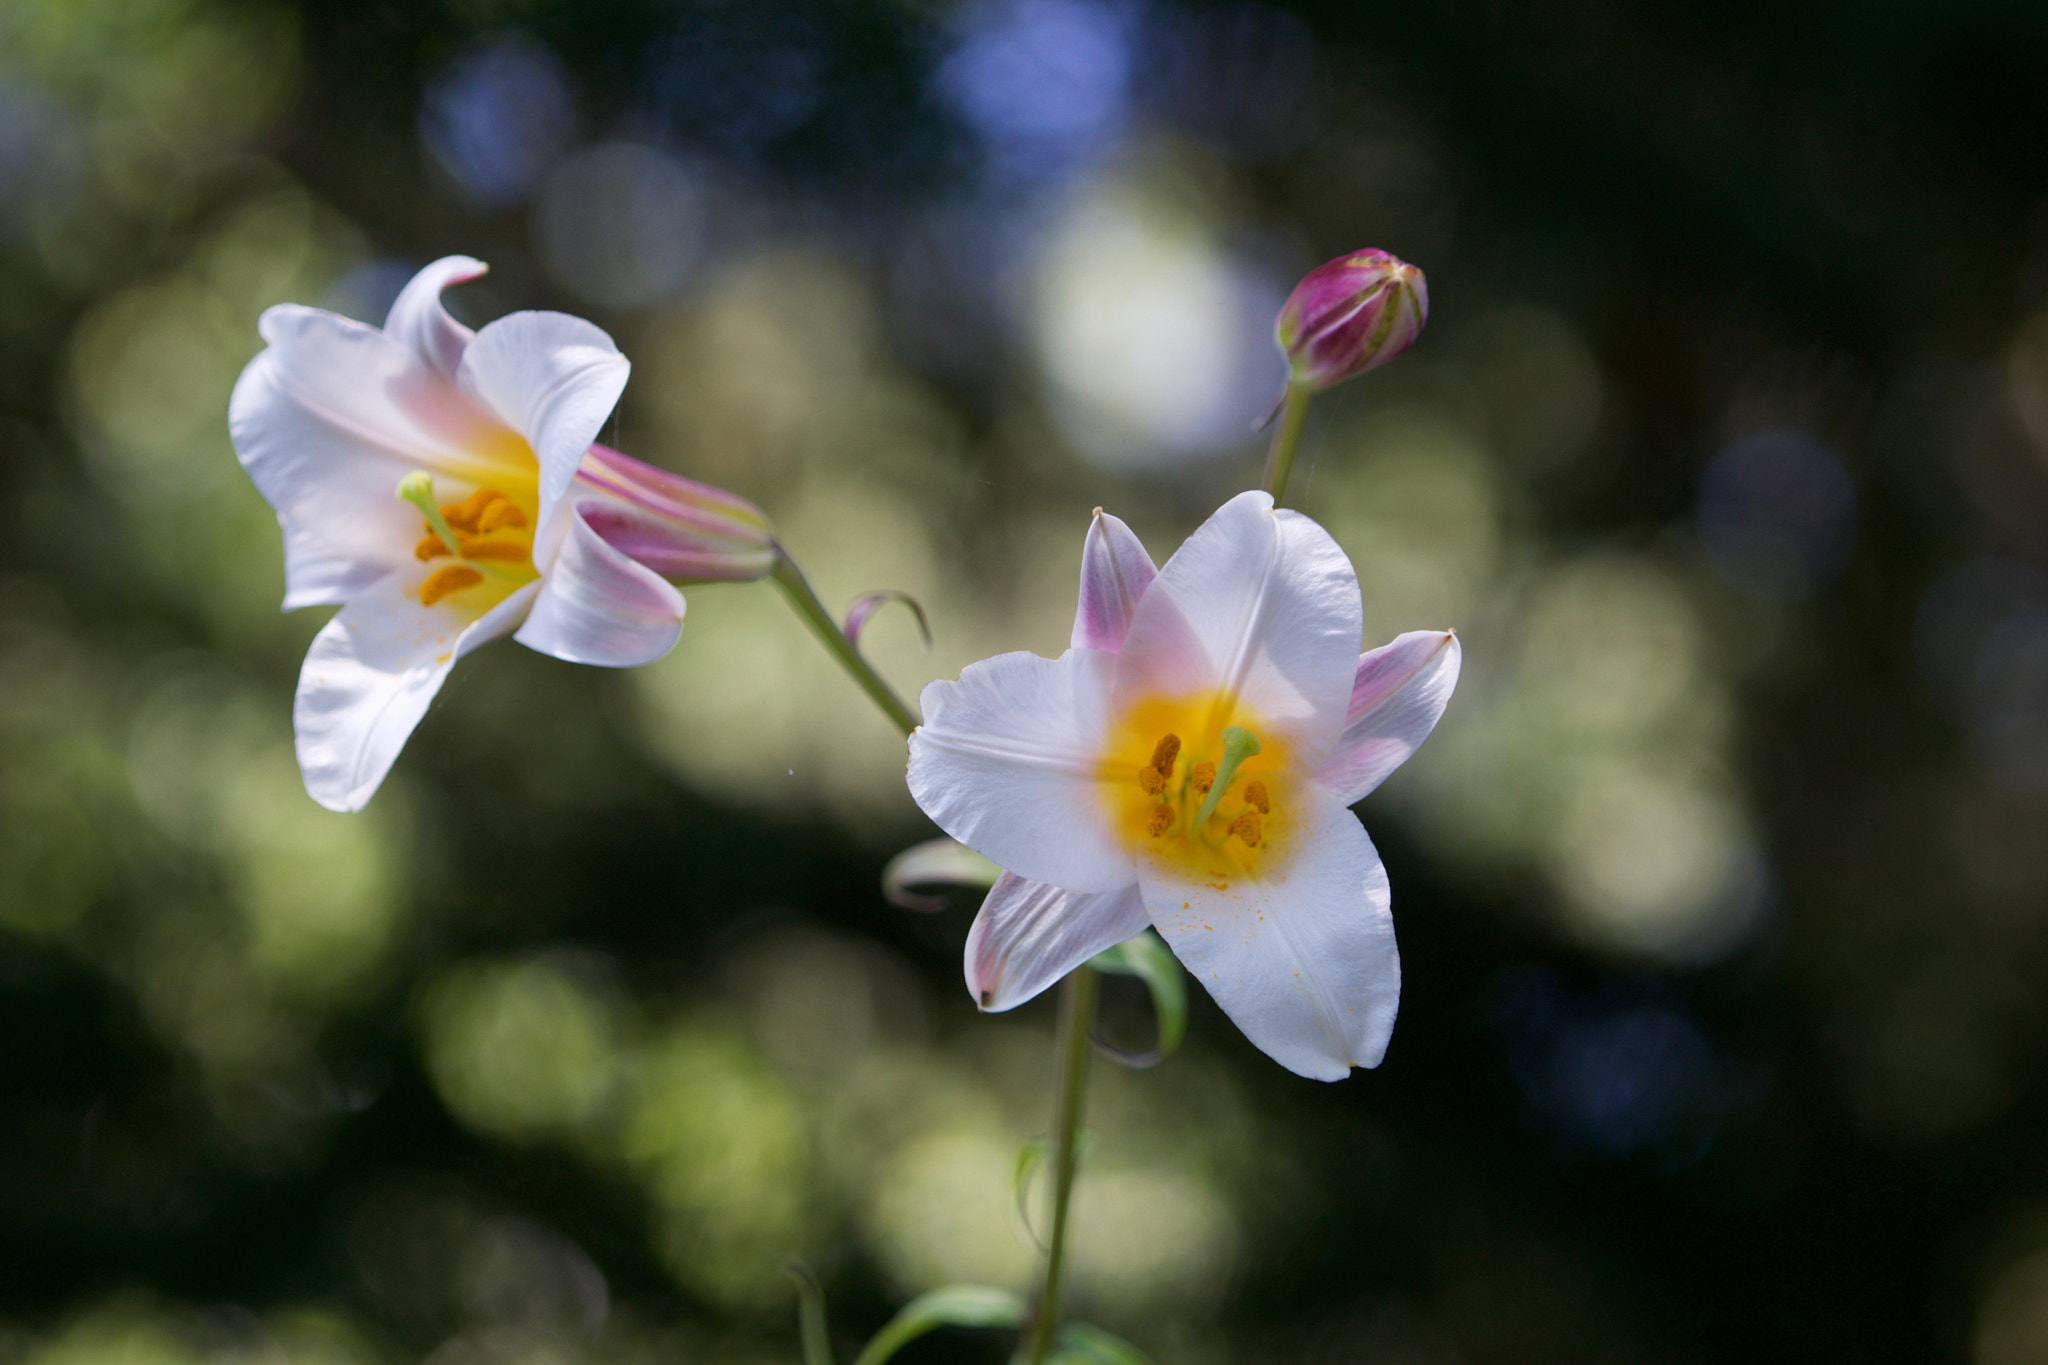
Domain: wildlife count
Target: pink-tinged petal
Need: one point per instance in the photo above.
(553, 379)
(1302, 958)
(600, 606)
(418, 322)
(671, 496)
(1115, 571)
(1029, 935)
(1260, 603)
(1005, 762)
(370, 675)
(1396, 698)
(316, 574)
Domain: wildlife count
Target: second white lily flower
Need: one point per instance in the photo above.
(1187, 765)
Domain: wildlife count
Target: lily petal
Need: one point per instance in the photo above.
(317, 575)
(1029, 935)
(1397, 696)
(1303, 960)
(1115, 571)
(601, 607)
(1261, 603)
(553, 379)
(418, 322)
(1005, 762)
(325, 423)
(369, 677)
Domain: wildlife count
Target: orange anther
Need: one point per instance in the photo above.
(1162, 820)
(1164, 755)
(1152, 780)
(1246, 827)
(429, 547)
(1203, 775)
(500, 514)
(1255, 795)
(502, 551)
(464, 515)
(446, 579)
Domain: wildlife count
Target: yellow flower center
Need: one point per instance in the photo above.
(488, 536)
(1198, 782)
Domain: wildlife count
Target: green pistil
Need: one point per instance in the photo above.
(1239, 744)
(417, 488)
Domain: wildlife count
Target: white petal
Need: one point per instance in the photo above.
(369, 676)
(1005, 763)
(1259, 603)
(553, 379)
(418, 322)
(1301, 958)
(1029, 935)
(1115, 571)
(328, 419)
(316, 574)
(1397, 695)
(600, 607)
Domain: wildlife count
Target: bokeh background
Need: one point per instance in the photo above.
(1722, 888)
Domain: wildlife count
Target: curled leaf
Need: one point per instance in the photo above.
(935, 862)
(867, 604)
(1081, 1344)
(1149, 959)
(953, 1305)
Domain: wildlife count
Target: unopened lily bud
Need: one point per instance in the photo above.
(1351, 315)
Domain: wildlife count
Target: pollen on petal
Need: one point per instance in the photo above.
(430, 547)
(1246, 827)
(1203, 776)
(1162, 820)
(446, 579)
(1255, 795)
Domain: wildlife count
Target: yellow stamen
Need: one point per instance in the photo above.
(467, 514)
(1162, 820)
(1246, 827)
(446, 579)
(1255, 795)
(1152, 781)
(1164, 754)
(1202, 776)
(431, 546)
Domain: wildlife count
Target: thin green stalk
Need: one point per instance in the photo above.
(797, 588)
(1077, 1018)
(1280, 460)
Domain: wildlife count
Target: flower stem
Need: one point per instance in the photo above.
(1280, 460)
(1077, 1017)
(798, 589)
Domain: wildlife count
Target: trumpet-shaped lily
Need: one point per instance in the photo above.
(1188, 765)
(444, 487)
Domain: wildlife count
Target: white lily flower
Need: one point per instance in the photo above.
(442, 485)
(1188, 765)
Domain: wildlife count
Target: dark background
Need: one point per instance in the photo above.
(1721, 887)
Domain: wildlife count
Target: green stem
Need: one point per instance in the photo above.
(1077, 1017)
(1280, 460)
(797, 588)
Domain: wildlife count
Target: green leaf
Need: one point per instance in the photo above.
(810, 1315)
(935, 862)
(1149, 959)
(1029, 1158)
(1080, 1344)
(953, 1305)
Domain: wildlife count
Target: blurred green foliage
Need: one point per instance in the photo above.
(1720, 889)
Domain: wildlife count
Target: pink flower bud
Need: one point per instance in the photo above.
(1351, 315)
